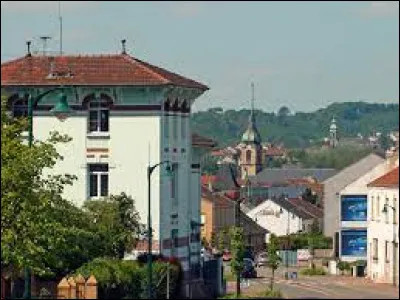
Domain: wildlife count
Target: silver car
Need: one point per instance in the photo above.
(262, 259)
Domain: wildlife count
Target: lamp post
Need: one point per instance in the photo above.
(385, 211)
(150, 170)
(61, 111)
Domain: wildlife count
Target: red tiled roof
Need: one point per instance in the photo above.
(120, 69)
(200, 141)
(143, 245)
(205, 179)
(274, 152)
(390, 179)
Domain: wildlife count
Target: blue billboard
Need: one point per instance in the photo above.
(354, 243)
(354, 208)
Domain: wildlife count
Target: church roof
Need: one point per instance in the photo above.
(89, 70)
(251, 135)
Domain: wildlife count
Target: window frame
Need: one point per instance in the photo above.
(99, 175)
(23, 105)
(375, 249)
(98, 106)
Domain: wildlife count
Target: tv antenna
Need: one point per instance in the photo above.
(60, 20)
(44, 41)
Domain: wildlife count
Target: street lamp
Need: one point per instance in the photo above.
(61, 111)
(150, 170)
(385, 211)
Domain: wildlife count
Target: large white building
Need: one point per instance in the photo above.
(127, 114)
(354, 214)
(383, 228)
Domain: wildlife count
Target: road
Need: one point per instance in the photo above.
(322, 287)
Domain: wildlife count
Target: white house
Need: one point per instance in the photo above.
(383, 228)
(283, 216)
(127, 114)
(353, 213)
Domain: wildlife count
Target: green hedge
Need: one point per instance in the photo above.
(301, 241)
(313, 271)
(118, 279)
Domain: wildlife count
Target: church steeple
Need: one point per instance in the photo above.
(251, 135)
(333, 139)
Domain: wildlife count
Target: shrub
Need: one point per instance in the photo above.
(119, 279)
(343, 266)
(273, 293)
(313, 271)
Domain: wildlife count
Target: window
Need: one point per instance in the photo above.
(395, 210)
(99, 115)
(174, 182)
(175, 127)
(378, 213)
(375, 249)
(98, 180)
(166, 127)
(372, 208)
(387, 259)
(174, 241)
(248, 156)
(387, 214)
(20, 108)
(183, 128)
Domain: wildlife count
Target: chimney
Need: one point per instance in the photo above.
(123, 42)
(28, 44)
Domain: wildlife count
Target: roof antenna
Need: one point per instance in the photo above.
(123, 42)
(60, 19)
(44, 40)
(252, 103)
(28, 44)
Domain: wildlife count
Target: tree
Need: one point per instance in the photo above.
(284, 111)
(237, 250)
(28, 197)
(117, 222)
(273, 258)
(310, 196)
(222, 240)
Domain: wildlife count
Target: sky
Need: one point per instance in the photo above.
(304, 55)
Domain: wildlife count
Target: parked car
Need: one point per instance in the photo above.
(249, 270)
(226, 255)
(262, 259)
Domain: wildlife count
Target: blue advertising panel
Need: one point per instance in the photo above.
(354, 208)
(354, 243)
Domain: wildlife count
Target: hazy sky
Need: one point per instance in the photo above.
(301, 54)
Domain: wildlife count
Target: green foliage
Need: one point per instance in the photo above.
(33, 225)
(237, 249)
(296, 130)
(313, 271)
(344, 266)
(274, 259)
(336, 158)
(213, 239)
(119, 279)
(116, 221)
(222, 237)
(273, 293)
(305, 241)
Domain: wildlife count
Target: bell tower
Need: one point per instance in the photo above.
(250, 160)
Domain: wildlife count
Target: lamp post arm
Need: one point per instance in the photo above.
(150, 169)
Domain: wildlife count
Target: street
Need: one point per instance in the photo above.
(319, 287)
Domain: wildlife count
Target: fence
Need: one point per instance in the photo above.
(77, 288)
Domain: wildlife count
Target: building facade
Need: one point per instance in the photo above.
(354, 214)
(128, 114)
(383, 228)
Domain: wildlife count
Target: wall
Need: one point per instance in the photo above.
(378, 269)
(74, 152)
(333, 186)
(276, 223)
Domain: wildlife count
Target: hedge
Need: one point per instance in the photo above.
(118, 279)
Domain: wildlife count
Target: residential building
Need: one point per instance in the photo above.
(218, 213)
(353, 213)
(127, 114)
(282, 216)
(383, 228)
